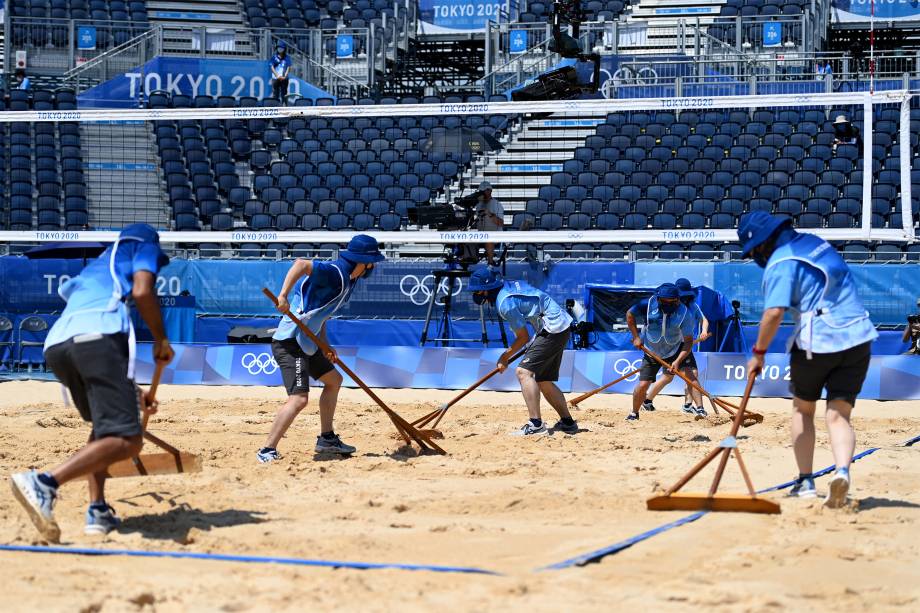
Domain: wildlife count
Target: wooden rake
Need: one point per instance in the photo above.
(732, 409)
(672, 500)
(406, 431)
(170, 463)
(431, 420)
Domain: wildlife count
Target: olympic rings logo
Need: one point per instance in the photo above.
(623, 366)
(418, 290)
(262, 363)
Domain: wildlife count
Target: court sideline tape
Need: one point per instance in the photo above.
(88, 551)
(581, 560)
(598, 555)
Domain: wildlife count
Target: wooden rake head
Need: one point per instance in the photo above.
(171, 462)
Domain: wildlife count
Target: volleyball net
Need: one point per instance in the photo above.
(232, 172)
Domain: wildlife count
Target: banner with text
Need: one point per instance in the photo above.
(459, 16)
(192, 77)
(885, 10)
(402, 289)
(889, 378)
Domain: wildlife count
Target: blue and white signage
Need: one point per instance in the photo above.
(885, 10)
(192, 77)
(459, 16)
(517, 42)
(344, 46)
(772, 34)
(86, 37)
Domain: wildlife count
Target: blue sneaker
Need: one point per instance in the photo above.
(688, 409)
(804, 487)
(38, 500)
(838, 489)
(267, 455)
(632, 417)
(648, 405)
(100, 519)
(700, 411)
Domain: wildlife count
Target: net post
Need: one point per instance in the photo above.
(867, 167)
(907, 212)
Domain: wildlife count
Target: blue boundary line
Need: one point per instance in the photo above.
(87, 551)
(598, 555)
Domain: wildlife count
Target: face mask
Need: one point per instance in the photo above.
(759, 258)
(668, 308)
(479, 298)
(687, 300)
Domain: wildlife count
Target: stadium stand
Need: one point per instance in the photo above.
(46, 188)
(45, 25)
(304, 172)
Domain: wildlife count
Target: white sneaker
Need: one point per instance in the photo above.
(838, 489)
(100, 521)
(529, 429)
(38, 501)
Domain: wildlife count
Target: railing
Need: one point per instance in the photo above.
(323, 76)
(127, 56)
(56, 45)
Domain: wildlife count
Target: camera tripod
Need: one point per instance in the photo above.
(445, 334)
(734, 322)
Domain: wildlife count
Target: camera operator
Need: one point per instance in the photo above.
(912, 333)
(490, 216)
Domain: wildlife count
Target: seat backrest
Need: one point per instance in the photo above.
(33, 323)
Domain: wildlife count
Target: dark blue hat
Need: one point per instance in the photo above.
(362, 249)
(685, 288)
(668, 290)
(147, 234)
(484, 279)
(757, 227)
(282, 45)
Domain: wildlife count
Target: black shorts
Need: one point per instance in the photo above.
(544, 356)
(296, 366)
(650, 367)
(94, 367)
(842, 373)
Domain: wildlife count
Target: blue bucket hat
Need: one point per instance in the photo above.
(147, 234)
(362, 249)
(685, 288)
(756, 228)
(668, 290)
(484, 279)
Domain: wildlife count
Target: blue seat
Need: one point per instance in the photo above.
(635, 221)
(721, 221)
(550, 221)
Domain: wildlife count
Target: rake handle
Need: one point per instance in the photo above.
(600, 389)
(736, 424)
(152, 392)
(729, 408)
(439, 413)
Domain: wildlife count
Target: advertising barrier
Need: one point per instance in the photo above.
(889, 378)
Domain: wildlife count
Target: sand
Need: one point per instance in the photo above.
(497, 502)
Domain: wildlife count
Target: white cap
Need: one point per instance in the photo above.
(485, 185)
(841, 119)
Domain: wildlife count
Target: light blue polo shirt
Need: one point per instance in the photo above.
(94, 304)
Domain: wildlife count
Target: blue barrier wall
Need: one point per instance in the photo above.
(889, 378)
(399, 289)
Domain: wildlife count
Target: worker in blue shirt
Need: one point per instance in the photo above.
(91, 351)
(831, 342)
(521, 304)
(668, 333)
(693, 400)
(281, 68)
(320, 289)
